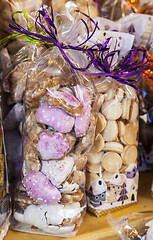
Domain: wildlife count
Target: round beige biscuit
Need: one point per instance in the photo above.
(101, 123)
(94, 157)
(93, 168)
(112, 109)
(130, 92)
(107, 175)
(129, 155)
(121, 128)
(110, 132)
(98, 144)
(114, 147)
(102, 86)
(130, 135)
(134, 111)
(97, 104)
(109, 94)
(111, 161)
(126, 103)
(119, 94)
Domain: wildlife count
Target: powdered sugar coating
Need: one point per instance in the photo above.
(55, 117)
(52, 146)
(40, 189)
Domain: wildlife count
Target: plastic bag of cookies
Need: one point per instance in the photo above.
(112, 178)
(136, 225)
(58, 130)
(5, 210)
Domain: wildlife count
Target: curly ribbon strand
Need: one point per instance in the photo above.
(126, 72)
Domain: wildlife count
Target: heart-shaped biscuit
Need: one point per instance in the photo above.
(55, 117)
(58, 170)
(40, 189)
(52, 146)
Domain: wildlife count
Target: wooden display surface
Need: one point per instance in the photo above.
(94, 228)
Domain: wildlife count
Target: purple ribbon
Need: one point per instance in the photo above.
(126, 72)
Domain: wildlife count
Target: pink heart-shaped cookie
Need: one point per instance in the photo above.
(52, 146)
(55, 117)
(82, 122)
(40, 189)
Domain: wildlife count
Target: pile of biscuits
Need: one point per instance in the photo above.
(115, 145)
(58, 129)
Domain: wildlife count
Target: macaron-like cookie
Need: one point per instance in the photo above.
(119, 94)
(101, 123)
(111, 131)
(121, 128)
(57, 171)
(130, 135)
(82, 122)
(40, 189)
(126, 103)
(98, 144)
(111, 161)
(98, 103)
(94, 157)
(94, 162)
(114, 147)
(52, 146)
(112, 109)
(129, 155)
(134, 111)
(109, 94)
(55, 117)
(130, 92)
(102, 85)
(93, 168)
(107, 175)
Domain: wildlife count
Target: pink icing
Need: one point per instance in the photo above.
(55, 117)
(52, 146)
(40, 189)
(66, 96)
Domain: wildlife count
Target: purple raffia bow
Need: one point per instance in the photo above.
(50, 36)
(98, 54)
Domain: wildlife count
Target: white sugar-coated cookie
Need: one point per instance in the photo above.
(58, 170)
(126, 103)
(114, 147)
(112, 109)
(111, 161)
(111, 131)
(129, 155)
(98, 144)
